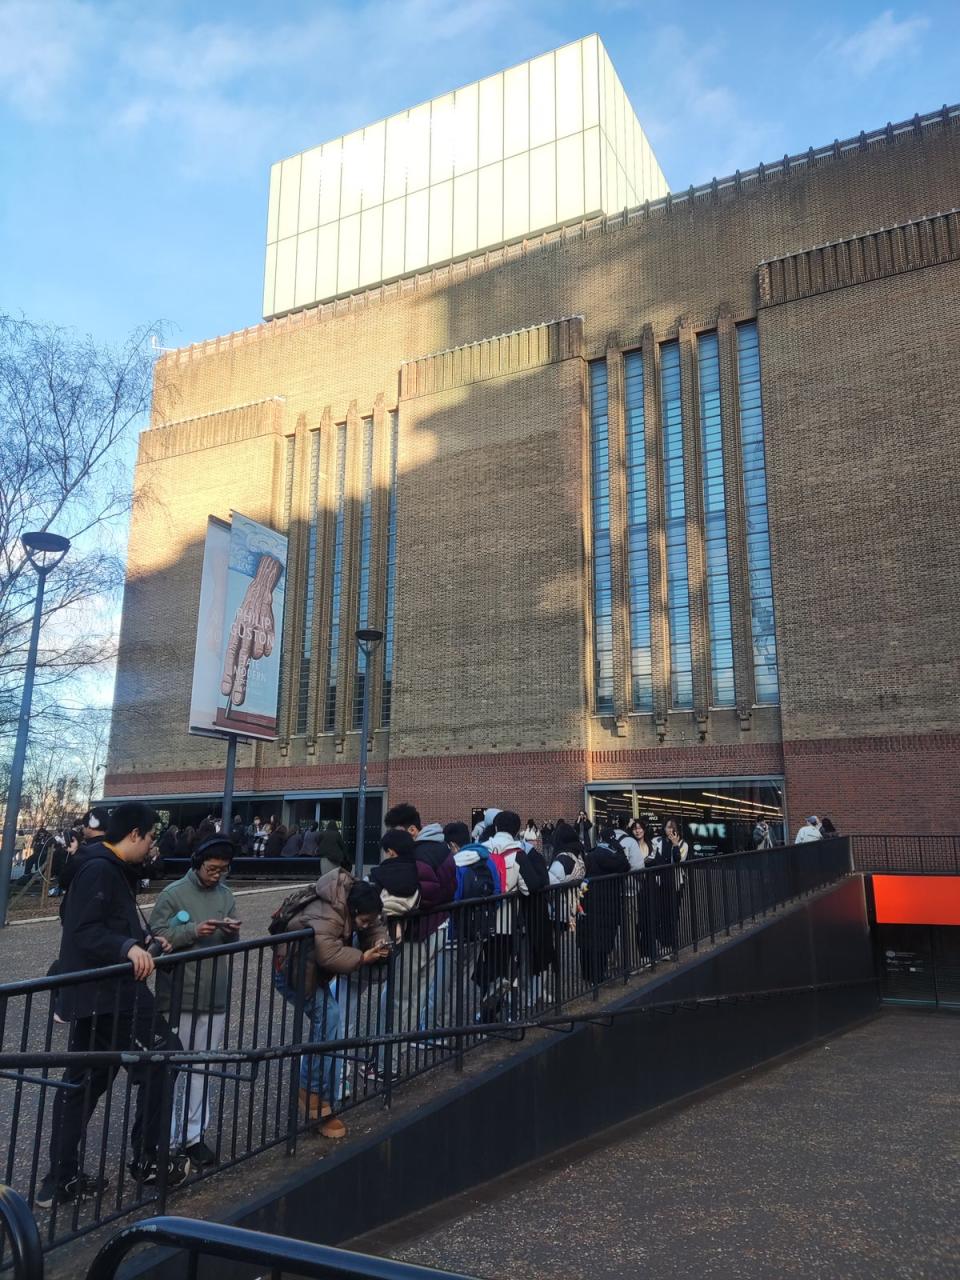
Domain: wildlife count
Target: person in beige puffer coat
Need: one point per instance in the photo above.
(343, 906)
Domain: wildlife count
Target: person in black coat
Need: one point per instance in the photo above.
(102, 926)
(601, 906)
(667, 886)
(583, 826)
(535, 918)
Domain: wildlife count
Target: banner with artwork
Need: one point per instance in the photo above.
(236, 676)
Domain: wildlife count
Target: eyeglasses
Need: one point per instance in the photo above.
(213, 870)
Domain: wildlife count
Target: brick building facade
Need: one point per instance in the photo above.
(536, 440)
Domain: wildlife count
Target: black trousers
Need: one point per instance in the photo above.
(143, 1028)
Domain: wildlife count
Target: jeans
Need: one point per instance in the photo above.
(322, 1074)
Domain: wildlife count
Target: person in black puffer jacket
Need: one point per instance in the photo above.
(600, 918)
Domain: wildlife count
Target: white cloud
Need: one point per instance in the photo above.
(667, 71)
(41, 48)
(229, 94)
(880, 41)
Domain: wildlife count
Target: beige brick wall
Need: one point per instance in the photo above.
(862, 401)
(493, 618)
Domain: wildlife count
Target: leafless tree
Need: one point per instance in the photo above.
(68, 409)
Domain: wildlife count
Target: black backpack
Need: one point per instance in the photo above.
(290, 907)
(478, 880)
(477, 920)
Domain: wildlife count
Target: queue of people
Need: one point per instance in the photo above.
(492, 908)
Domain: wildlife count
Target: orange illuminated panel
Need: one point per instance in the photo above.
(917, 899)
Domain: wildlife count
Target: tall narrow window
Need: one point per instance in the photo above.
(675, 522)
(755, 502)
(641, 668)
(288, 447)
(602, 569)
(306, 645)
(336, 579)
(363, 588)
(387, 693)
(715, 524)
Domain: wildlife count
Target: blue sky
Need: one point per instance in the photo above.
(136, 140)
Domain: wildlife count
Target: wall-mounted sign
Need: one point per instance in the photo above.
(236, 672)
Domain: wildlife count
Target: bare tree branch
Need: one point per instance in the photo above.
(68, 408)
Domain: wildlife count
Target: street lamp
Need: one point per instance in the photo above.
(44, 551)
(367, 641)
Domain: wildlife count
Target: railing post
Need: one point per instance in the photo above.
(459, 977)
(724, 877)
(299, 967)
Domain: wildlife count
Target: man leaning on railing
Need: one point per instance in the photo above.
(102, 926)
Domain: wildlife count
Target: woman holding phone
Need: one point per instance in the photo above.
(193, 913)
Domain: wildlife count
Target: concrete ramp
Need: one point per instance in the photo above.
(558, 1088)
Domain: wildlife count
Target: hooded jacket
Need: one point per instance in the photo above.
(333, 928)
(100, 925)
(428, 868)
(504, 850)
(193, 987)
(485, 821)
(430, 845)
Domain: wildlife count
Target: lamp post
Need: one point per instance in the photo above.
(44, 551)
(367, 641)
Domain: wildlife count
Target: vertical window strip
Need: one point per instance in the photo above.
(336, 579)
(675, 527)
(387, 692)
(641, 666)
(288, 446)
(288, 455)
(602, 565)
(755, 503)
(306, 645)
(715, 524)
(363, 590)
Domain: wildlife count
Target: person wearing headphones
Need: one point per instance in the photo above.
(193, 913)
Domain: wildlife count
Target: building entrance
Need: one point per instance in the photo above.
(716, 816)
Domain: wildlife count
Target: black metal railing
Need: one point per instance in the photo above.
(284, 1257)
(18, 1230)
(196, 1241)
(250, 1081)
(915, 855)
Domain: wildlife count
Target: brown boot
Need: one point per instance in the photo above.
(333, 1128)
(310, 1104)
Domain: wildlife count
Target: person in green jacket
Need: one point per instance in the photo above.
(192, 913)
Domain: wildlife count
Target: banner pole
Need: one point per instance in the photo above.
(226, 817)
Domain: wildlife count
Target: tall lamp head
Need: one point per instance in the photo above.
(368, 639)
(45, 550)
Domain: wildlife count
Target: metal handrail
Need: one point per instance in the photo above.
(494, 982)
(20, 1227)
(238, 1244)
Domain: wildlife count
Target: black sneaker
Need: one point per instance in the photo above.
(200, 1155)
(81, 1186)
(147, 1171)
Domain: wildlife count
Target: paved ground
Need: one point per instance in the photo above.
(841, 1162)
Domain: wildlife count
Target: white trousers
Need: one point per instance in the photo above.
(191, 1099)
